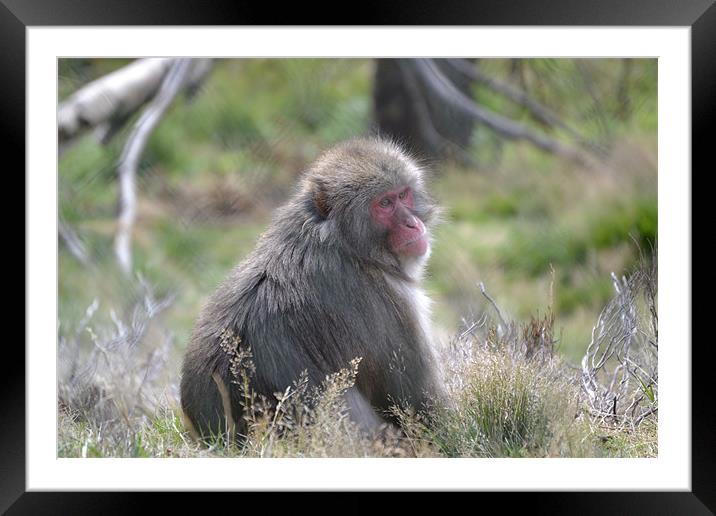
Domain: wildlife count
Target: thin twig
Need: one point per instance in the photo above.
(72, 241)
(492, 301)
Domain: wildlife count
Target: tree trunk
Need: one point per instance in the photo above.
(405, 109)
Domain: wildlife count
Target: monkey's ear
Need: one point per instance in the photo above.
(320, 199)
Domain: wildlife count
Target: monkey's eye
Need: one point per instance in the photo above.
(402, 195)
(385, 203)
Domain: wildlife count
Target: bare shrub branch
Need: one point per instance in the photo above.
(620, 367)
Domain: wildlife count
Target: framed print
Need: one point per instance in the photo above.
(556, 148)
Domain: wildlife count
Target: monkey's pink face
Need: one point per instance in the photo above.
(392, 210)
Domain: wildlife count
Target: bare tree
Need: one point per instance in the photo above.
(404, 107)
(536, 109)
(437, 112)
(105, 105)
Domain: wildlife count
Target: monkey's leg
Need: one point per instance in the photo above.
(207, 405)
(362, 413)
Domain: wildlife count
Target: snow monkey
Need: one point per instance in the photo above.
(335, 276)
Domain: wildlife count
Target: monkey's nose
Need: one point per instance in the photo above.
(411, 222)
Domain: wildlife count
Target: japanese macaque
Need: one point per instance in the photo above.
(336, 276)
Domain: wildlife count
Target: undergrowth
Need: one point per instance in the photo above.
(510, 395)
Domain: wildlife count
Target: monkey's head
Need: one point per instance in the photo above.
(369, 196)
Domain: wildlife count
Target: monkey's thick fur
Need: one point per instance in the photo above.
(321, 288)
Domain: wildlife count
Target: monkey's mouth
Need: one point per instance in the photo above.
(416, 246)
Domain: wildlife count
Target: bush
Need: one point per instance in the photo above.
(105, 392)
(637, 219)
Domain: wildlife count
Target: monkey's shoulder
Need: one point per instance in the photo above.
(279, 296)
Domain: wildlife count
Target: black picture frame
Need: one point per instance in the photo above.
(17, 15)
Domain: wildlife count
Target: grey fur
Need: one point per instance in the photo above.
(314, 294)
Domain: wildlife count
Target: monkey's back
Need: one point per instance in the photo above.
(302, 307)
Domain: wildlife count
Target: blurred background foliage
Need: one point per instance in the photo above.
(537, 230)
